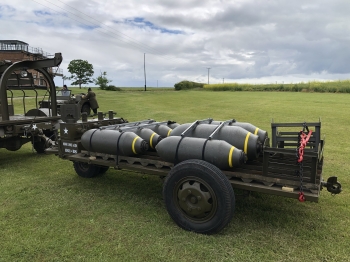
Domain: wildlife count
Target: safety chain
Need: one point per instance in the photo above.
(303, 139)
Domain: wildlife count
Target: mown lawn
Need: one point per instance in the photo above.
(48, 213)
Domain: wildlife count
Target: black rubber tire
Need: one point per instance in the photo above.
(86, 170)
(103, 169)
(40, 145)
(199, 197)
(86, 108)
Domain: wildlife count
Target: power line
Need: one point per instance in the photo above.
(107, 33)
(118, 32)
(120, 35)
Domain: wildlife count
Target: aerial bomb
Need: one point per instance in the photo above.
(160, 128)
(218, 152)
(262, 134)
(113, 142)
(151, 137)
(172, 125)
(234, 135)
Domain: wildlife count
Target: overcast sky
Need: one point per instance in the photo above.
(251, 41)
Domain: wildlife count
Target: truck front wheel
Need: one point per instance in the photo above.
(199, 197)
(40, 145)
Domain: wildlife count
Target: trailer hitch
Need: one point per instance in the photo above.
(332, 185)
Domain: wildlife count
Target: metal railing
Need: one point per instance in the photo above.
(22, 47)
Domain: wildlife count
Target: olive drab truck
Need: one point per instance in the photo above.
(20, 124)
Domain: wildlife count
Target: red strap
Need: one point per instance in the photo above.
(301, 197)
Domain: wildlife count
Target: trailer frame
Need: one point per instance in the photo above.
(276, 171)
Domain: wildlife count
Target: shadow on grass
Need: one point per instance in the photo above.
(256, 210)
(260, 211)
(139, 193)
(119, 184)
(23, 155)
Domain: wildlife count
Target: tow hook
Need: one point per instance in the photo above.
(332, 185)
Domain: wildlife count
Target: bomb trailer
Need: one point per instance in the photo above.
(201, 161)
(36, 125)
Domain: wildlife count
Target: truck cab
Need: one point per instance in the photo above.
(67, 97)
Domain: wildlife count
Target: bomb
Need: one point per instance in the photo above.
(262, 134)
(172, 125)
(234, 135)
(217, 152)
(113, 142)
(151, 137)
(160, 128)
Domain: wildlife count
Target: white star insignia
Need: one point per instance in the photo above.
(34, 127)
(65, 131)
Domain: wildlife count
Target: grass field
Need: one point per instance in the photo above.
(48, 213)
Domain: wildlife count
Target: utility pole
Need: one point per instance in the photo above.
(144, 67)
(208, 74)
(64, 78)
(157, 83)
(223, 80)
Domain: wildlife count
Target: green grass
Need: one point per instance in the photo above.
(48, 213)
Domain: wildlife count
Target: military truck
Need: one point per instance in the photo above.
(67, 97)
(202, 162)
(35, 125)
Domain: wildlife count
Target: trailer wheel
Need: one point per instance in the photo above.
(86, 170)
(199, 197)
(103, 169)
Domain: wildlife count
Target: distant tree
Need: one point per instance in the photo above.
(102, 81)
(187, 85)
(81, 71)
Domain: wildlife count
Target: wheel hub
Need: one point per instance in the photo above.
(195, 199)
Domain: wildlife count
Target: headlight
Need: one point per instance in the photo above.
(24, 73)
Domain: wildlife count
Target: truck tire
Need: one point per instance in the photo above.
(39, 145)
(86, 170)
(199, 197)
(86, 108)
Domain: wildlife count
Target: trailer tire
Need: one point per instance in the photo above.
(103, 169)
(86, 170)
(199, 197)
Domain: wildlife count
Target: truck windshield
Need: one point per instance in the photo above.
(63, 93)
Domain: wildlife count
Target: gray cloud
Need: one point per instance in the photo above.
(247, 40)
